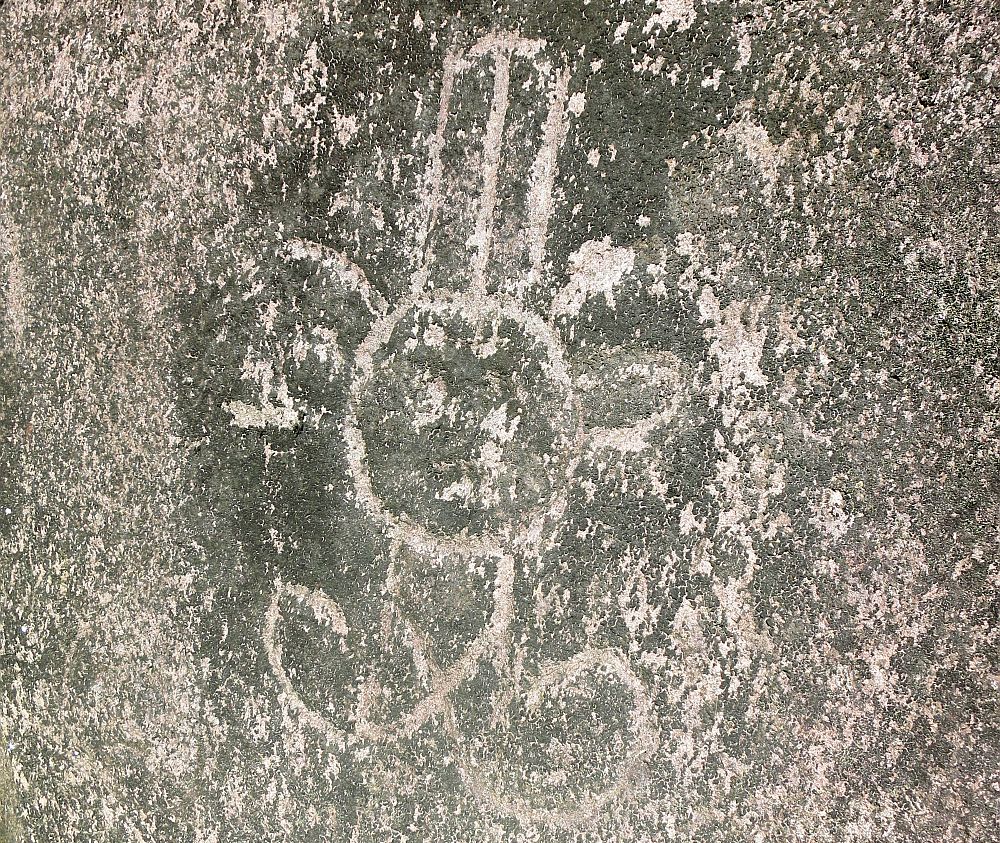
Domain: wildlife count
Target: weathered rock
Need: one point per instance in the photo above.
(499, 422)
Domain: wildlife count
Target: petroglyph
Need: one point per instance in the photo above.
(341, 271)
(490, 337)
(327, 613)
(469, 475)
(556, 679)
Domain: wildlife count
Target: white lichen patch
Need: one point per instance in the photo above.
(266, 415)
(670, 13)
(737, 339)
(755, 143)
(594, 269)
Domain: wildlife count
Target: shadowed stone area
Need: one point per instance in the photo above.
(456, 421)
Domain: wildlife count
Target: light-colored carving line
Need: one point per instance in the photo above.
(501, 45)
(326, 611)
(506, 42)
(338, 265)
(492, 153)
(632, 438)
(443, 682)
(451, 65)
(493, 638)
(664, 375)
(540, 197)
(581, 811)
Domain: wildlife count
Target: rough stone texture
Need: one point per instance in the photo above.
(449, 421)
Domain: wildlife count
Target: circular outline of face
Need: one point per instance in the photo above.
(469, 306)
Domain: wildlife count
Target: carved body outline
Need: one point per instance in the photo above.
(494, 639)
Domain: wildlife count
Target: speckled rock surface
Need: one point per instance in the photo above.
(437, 421)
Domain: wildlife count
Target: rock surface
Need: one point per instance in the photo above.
(441, 421)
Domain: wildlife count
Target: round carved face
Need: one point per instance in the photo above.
(462, 418)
